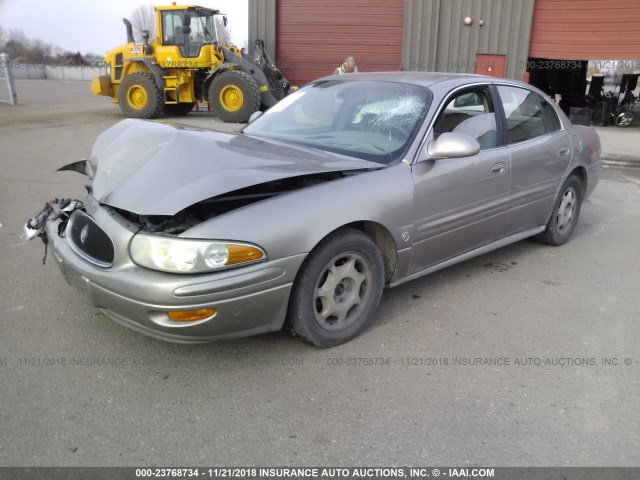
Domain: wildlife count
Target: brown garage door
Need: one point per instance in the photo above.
(586, 30)
(313, 37)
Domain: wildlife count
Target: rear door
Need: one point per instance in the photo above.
(460, 203)
(540, 154)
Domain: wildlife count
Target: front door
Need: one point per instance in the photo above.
(460, 203)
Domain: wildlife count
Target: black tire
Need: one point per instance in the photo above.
(139, 96)
(234, 96)
(337, 289)
(564, 217)
(178, 109)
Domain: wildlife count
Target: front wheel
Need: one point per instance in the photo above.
(338, 289)
(234, 96)
(565, 214)
(139, 96)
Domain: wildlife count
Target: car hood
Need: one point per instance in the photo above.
(151, 168)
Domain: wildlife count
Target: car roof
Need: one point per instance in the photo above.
(425, 79)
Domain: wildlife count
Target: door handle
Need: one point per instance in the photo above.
(498, 168)
(564, 152)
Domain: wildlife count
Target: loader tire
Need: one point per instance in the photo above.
(139, 96)
(234, 96)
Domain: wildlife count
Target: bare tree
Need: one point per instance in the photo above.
(29, 50)
(18, 36)
(17, 45)
(143, 18)
(40, 50)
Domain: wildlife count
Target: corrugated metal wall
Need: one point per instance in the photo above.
(421, 30)
(313, 37)
(262, 24)
(586, 30)
(436, 38)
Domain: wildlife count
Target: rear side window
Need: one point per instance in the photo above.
(523, 113)
(551, 122)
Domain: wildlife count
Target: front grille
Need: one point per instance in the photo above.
(89, 240)
(118, 66)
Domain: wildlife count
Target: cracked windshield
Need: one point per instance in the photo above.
(370, 120)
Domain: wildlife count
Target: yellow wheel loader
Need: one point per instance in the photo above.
(186, 63)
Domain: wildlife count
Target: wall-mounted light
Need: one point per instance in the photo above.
(468, 21)
(481, 22)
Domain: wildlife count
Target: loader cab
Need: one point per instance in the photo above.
(189, 28)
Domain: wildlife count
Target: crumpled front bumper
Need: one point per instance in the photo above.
(247, 300)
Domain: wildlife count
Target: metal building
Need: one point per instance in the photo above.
(493, 37)
(482, 36)
(586, 30)
(311, 38)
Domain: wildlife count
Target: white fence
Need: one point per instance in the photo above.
(54, 72)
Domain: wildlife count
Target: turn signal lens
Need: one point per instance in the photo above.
(243, 253)
(191, 315)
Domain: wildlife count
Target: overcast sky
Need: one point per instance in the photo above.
(95, 27)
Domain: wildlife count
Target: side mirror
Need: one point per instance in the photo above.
(186, 19)
(145, 41)
(452, 145)
(255, 115)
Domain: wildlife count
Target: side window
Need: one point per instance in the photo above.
(523, 113)
(551, 122)
(469, 112)
(172, 28)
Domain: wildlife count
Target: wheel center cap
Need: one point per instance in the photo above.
(342, 292)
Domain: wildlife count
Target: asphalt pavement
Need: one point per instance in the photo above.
(527, 356)
(620, 146)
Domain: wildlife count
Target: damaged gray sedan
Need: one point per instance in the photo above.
(346, 186)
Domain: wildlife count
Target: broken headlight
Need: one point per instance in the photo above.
(184, 255)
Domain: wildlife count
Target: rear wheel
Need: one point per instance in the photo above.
(337, 290)
(565, 214)
(139, 96)
(234, 96)
(178, 109)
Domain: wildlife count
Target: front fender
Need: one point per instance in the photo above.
(295, 222)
